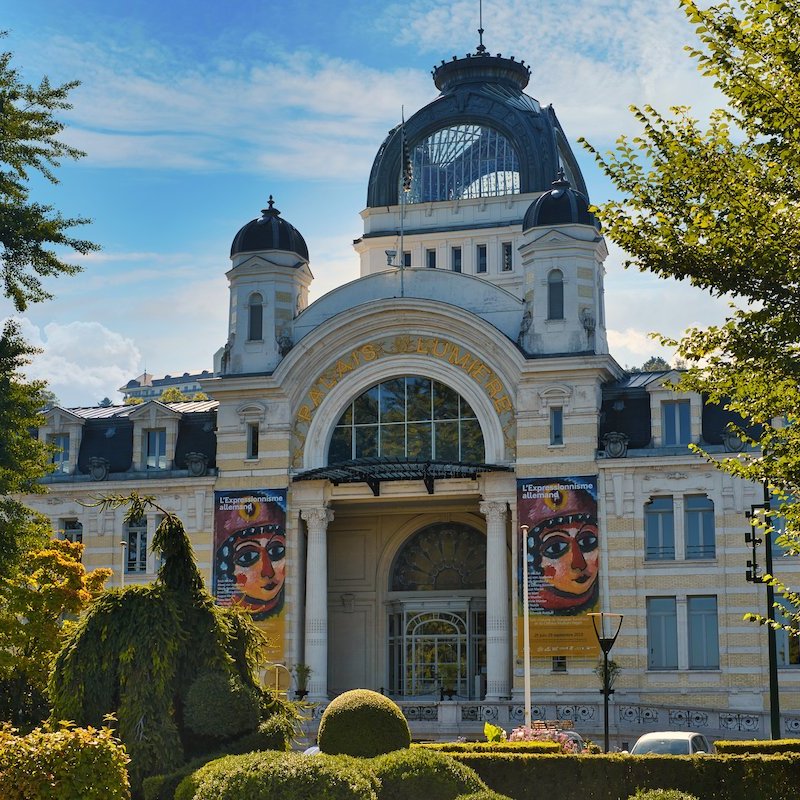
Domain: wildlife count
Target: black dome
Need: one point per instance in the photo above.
(269, 232)
(562, 205)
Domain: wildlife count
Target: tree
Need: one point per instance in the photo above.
(654, 364)
(720, 207)
(172, 394)
(105, 402)
(200, 396)
(36, 608)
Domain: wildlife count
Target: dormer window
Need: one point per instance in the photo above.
(555, 294)
(61, 456)
(255, 319)
(676, 428)
(156, 448)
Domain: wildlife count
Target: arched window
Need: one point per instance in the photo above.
(255, 318)
(555, 294)
(412, 417)
(462, 161)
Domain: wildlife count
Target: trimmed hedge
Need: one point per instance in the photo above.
(492, 747)
(424, 774)
(661, 794)
(67, 764)
(219, 706)
(484, 794)
(609, 777)
(287, 776)
(362, 723)
(759, 746)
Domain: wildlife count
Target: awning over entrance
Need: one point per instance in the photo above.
(374, 471)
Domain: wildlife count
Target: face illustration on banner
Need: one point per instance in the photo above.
(252, 561)
(563, 549)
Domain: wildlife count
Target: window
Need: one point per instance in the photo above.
(462, 161)
(559, 664)
(481, 258)
(252, 440)
(703, 634)
(662, 633)
(508, 258)
(156, 448)
(72, 530)
(61, 456)
(659, 530)
(406, 258)
(136, 560)
(255, 319)
(788, 646)
(455, 259)
(555, 294)
(430, 258)
(699, 526)
(675, 422)
(410, 417)
(556, 425)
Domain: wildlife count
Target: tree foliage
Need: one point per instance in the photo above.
(719, 205)
(37, 608)
(29, 144)
(172, 394)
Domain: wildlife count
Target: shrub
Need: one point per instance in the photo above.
(484, 794)
(276, 733)
(759, 746)
(162, 787)
(218, 705)
(423, 773)
(565, 742)
(661, 794)
(288, 776)
(493, 747)
(363, 723)
(66, 764)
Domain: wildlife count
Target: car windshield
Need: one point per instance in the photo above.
(674, 747)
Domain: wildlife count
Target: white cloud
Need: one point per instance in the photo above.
(82, 362)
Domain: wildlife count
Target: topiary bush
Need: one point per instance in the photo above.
(423, 773)
(218, 705)
(661, 794)
(758, 746)
(287, 776)
(276, 733)
(363, 723)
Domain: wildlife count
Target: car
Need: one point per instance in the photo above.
(675, 743)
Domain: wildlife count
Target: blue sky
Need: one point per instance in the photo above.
(193, 113)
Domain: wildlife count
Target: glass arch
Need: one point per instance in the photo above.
(461, 162)
(410, 417)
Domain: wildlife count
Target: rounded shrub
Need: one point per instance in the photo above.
(363, 723)
(424, 773)
(276, 733)
(219, 706)
(661, 794)
(288, 776)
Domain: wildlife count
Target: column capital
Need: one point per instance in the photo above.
(318, 516)
(493, 509)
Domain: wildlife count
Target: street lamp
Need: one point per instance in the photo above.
(606, 629)
(526, 633)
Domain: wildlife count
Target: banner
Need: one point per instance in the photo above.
(250, 558)
(562, 548)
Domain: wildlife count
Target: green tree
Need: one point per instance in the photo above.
(172, 394)
(655, 364)
(719, 205)
(36, 608)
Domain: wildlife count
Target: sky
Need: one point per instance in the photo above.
(193, 113)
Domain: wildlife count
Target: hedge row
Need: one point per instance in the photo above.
(66, 764)
(759, 746)
(492, 747)
(617, 776)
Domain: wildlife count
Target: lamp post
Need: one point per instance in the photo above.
(124, 546)
(526, 633)
(606, 628)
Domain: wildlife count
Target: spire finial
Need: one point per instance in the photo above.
(481, 48)
(270, 211)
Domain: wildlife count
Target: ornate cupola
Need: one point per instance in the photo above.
(269, 281)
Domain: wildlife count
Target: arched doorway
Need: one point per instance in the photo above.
(437, 614)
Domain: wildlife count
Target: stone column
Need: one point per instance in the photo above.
(316, 641)
(497, 615)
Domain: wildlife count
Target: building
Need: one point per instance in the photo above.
(146, 387)
(361, 479)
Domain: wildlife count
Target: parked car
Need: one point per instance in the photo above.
(675, 743)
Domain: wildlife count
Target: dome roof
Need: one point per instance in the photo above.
(269, 232)
(562, 205)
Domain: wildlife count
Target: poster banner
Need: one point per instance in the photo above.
(250, 558)
(563, 554)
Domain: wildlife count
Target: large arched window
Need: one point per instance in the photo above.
(412, 417)
(462, 161)
(255, 318)
(555, 294)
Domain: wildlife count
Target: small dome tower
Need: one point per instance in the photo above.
(269, 283)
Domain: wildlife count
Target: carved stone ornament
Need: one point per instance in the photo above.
(197, 464)
(99, 468)
(616, 445)
(733, 444)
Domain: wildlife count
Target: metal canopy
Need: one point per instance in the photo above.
(373, 471)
